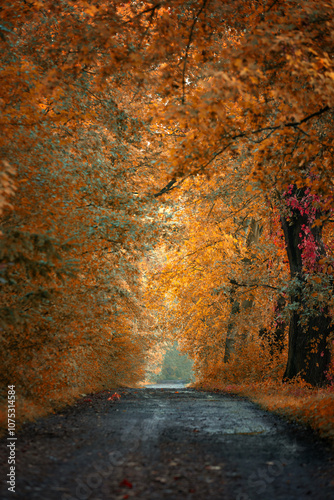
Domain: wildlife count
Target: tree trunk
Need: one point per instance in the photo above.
(308, 354)
(276, 337)
(253, 231)
(231, 333)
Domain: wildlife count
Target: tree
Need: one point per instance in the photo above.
(74, 234)
(207, 260)
(174, 365)
(265, 92)
(310, 324)
(108, 107)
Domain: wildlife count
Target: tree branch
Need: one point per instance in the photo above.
(166, 189)
(252, 285)
(188, 47)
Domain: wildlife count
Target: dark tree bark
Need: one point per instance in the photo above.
(308, 354)
(276, 337)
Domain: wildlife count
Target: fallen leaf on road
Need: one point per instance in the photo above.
(126, 483)
(114, 397)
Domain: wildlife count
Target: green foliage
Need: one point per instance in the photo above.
(175, 366)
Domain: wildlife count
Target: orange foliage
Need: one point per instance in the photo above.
(226, 104)
(73, 236)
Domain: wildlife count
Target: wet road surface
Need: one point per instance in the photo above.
(168, 441)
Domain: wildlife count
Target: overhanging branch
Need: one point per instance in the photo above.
(169, 187)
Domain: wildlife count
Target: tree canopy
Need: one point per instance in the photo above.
(166, 170)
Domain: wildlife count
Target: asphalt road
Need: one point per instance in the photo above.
(167, 442)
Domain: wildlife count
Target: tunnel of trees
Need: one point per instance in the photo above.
(166, 173)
